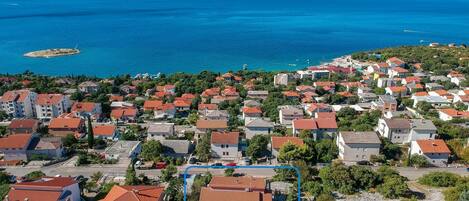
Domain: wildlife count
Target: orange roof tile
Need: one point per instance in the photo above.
(305, 124)
(134, 193)
(152, 104)
(83, 107)
(203, 106)
(49, 99)
(208, 194)
(104, 130)
(248, 183)
(326, 123)
(71, 123)
(291, 94)
(120, 112)
(211, 124)
(225, 138)
(252, 110)
(433, 146)
(278, 142)
(15, 141)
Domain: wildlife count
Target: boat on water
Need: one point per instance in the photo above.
(55, 52)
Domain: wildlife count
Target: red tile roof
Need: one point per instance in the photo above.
(211, 124)
(23, 123)
(400, 70)
(104, 130)
(455, 113)
(252, 110)
(398, 88)
(248, 183)
(291, 94)
(134, 193)
(152, 104)
(203, 106)
(83, 107)
(305, 124)
(208, 194)
(225, 138)
(15, 141)
(278, 142)
(71, 123)
(121, 112)
(182, 103)
(326, 123)
(49, 99)
(16, 95)
(433, 146)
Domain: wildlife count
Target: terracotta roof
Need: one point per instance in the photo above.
(398, 88)
(326, 123)
(152, 104)
(248, 183)
(398, 123)
(16, 96)
(104, 130)
(211, 92)
(120, 112)
(352, 84)
(83, 107)
(464, 98)
(66, 123)
(49, 99)
(134, 193)
(345, 94)
(188, 96)
(326, 115)
(15, 141)
(400, 70)
(252, 110)
(182, 103)
(278, 142)
(225, 138)
(324, 84)
(33, 195)
(421, 93)
(383, 65)
(412, 79)
(208, 194)
(314, 106)
(291, 94)
(305, 88)
(23, 123)
(113, 98)
(208, 124)
(48, 183)
(203, 106)
(305, 124)
(433, 146)
(455, 113)
(396, 60)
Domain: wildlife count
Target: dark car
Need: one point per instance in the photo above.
(192, 160)
(217, 165)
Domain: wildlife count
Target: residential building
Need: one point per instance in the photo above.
(258, 94)
(49, 106)
(48, 147)
(160, 131)
(450, 114)
(433, 86)
(224, 145)
(26, 126)
(87, 109)
(281, 79)
(106, 131)
(235, 189)
(46, 189)
(385, 103)
(358, 146)
(396, 91)
(258, 127)
(88, 87)
(216, 115)
(62, 126)
(288, 113)
(398, 72)
(385, 82)
(18, 103)
(305, 125)
(435, 101)
(177, 148)
(124, 115)
(250, 113)
(406, 130)
(278, 142)
(15, 147)
(135, 193)
(204, 126)
(435, 151)
(123, 150)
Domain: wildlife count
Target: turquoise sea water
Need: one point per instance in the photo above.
(121, 36)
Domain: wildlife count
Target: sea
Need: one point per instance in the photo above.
(167, 36)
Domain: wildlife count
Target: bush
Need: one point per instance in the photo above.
(418, 161)
(439, 179)
(393, 187)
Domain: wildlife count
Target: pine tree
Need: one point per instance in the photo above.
(90, 134)
(131, 176)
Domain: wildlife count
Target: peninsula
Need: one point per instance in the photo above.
(56, 52)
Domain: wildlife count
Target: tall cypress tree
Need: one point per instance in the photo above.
(90, 134)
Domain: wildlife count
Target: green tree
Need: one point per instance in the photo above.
(439, 179)
(326, 150)
(418, 160)
(289, 152)
(257, 146)
(131, 176)
(203, 148)
(229, 172)
(192, 118)
(4, 178)
(313, 188)
(168, 172)
(90, 134)
(338, 177)
(365, 177)
(393, 187)
(96, 176)
(151, 150)
(69, 140)
(34, 175)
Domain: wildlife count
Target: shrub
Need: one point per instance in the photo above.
(439, 179)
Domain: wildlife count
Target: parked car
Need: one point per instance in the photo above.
(230, 164)
(160, 165)
(192, 160)
(217, 165)
(246, 161)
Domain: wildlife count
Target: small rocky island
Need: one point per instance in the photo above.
(56, 52)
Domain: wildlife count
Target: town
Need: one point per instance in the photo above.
(375, 125)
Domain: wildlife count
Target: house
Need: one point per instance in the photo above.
(62, 126)
(326, 126)
(121, 104)
(385, 82)
(281, 79)
(278, 142)
(442, 93)
(169, 89)
(152, 105)
(235, 189)
(458, 80)
(177, 148)
(19, 103)
(435, 151)
(124, 114)
(87, 109)
(135, 193)
(204, 126)
(216, 115)
(411, 79)
(305, 125)
(288, 113)
(250, 113)
(123, 150)
(327, 86)
(26, 126)
(166, 111)
(396, 130)
(406, 130)
(48, 147)
(262, 95)
(160, 131)
(395, 62)
(450, 114)
(435, 101)
(398, 72)
(46, 189)
(224, 145)
(367, 97)
(182, 105)
(49, 106)
(258, 127)
(396, 91)
(385, 103)
(204, 107)
(318, 107)
(108, 132)
(88, 87)
(433, 86)
(358, 146)
(15, 147)
(305, 88)
(292, 95)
